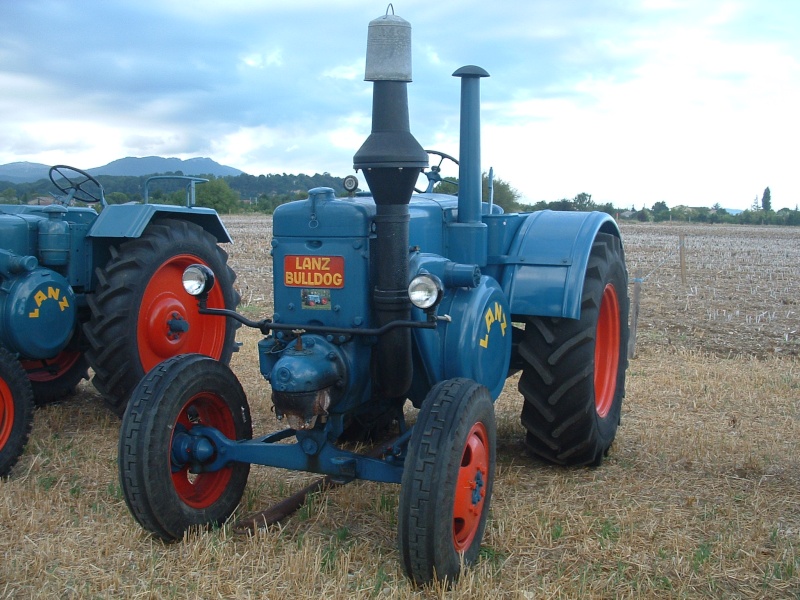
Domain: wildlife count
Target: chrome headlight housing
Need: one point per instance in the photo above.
(198, 280)
(425, 291)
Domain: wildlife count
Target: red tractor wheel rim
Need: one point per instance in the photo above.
(51, 369)
(606, 352)
(6, 413)
(473, 476)
(202, 490)
(165, 300)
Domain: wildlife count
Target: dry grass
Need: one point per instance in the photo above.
(700, 496)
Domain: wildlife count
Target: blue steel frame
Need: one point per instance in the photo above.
(312, 452)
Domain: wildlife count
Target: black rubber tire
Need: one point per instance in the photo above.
(117, 357)
(159, 407)
(561, 414)
(51, 381)
(431, 535)
(16, 411)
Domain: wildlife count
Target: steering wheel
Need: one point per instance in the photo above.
(433, 174)
(77, 188)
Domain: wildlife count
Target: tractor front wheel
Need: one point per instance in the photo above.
(166, 487)
(447, 481)
(16, 411)
(141, 315)
(573, 380)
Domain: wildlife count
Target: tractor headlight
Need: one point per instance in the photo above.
(425, 291)
(198, 280)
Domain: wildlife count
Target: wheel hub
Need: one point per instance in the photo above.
(169, 321)
(471, 488)
(177, 326)
(166, 322)
(195, 487)
(189, 449)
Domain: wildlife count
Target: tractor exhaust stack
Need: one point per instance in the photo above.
(391, 159)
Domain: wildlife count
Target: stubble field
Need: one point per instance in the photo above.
(700, 496)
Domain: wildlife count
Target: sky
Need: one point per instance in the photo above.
(689, 102)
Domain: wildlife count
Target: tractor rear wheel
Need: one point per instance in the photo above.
(573, 380)
(141, 315)
(166, 494)
(447, 481)
(57, 377)
(16, 411)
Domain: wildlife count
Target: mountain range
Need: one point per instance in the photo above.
(27, 172)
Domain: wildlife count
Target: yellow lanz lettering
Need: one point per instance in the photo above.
(497, 315)
(312, 263)
(53, 293)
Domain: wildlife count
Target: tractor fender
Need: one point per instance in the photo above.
(546, 262)
(130, 220)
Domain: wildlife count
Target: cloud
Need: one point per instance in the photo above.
(635, 102)
(350, 72)
(262, 60)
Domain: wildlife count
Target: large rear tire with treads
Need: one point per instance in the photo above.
(141, 315)
(573, 379)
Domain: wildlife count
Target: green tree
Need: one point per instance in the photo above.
(766, 200)
(117, 198)
(607, 208)
(702, 214)
(218, 195)
(660, 211)
(505, 196)
(583, 201)
(8, 196)
(564, 205)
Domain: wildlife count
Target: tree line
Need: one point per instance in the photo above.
(229, 194)
(759, 213)
(264, 193)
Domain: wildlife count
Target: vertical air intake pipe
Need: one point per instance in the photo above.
(469, 235)
(469, 160)
(391, 160)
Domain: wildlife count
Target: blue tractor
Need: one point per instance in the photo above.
(80, 289)
(434, 301)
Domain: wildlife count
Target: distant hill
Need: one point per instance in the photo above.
(23, 172)
(135, 167)
(27, 172)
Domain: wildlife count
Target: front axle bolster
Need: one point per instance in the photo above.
(307, 454)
